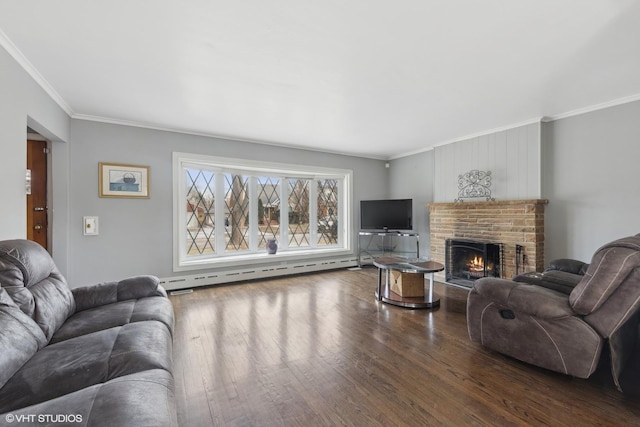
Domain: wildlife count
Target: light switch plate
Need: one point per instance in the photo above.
(90, 226)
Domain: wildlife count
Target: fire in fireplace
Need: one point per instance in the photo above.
(469, 260)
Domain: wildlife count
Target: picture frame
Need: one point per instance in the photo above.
(122, 180)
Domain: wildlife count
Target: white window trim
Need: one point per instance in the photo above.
(226, 165)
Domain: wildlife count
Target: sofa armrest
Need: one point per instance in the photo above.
(567, 265)
(527, 299)
(558, 280)
(109, 292)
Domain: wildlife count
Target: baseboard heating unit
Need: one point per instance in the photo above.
(254, 272)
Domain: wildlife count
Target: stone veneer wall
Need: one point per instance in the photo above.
(510, 222)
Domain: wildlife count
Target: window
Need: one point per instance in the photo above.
(225, 210)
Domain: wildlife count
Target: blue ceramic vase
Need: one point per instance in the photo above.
(272, 246)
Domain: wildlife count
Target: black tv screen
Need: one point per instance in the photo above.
(388, 215)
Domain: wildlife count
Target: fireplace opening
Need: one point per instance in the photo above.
(469, 260)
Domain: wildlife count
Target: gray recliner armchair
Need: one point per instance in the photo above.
(562, 318)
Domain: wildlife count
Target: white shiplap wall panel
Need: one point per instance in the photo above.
(484, 154)
(516, 165)
(499, 171)
(534, 152)
(512, 156)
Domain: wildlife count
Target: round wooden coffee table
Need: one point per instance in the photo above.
(406, 265)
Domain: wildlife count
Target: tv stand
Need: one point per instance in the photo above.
(387, 243)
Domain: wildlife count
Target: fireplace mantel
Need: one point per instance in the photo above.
(510, 222)
(488, 204)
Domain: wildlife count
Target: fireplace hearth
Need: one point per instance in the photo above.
(469, 260)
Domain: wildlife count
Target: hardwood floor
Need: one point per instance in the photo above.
(318, 349)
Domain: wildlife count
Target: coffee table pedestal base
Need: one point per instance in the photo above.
(408, 302)
(421, 267)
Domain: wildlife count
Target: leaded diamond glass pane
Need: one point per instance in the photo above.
(327, 212)
(236, 222)
(268, 210)
(200, 215)
(298, 212)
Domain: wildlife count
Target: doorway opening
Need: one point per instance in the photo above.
(37, 189)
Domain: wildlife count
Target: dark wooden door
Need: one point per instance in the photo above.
(37, 227)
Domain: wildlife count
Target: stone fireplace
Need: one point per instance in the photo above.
(517, 225)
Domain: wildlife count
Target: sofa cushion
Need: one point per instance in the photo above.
(20, 338)
(123, 401)
(86, 360)
(33, 281)
(116, 314)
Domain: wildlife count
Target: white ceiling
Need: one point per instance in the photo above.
(373, 78)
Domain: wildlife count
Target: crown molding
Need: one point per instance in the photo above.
(22, 60)
(470, 136)
(212, 135)
(592, 108)
(543, 119)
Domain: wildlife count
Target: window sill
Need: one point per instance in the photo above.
(259, 258)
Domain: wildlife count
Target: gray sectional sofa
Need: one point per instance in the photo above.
(94, 355)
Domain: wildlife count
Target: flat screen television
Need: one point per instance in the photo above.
(386, 215)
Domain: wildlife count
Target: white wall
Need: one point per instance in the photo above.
(589, 169)
(412, 177)
(512, 156)
(22, 103)
(136, 235)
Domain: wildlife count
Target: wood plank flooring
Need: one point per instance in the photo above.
(319, 350)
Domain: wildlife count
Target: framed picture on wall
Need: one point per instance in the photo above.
(120, 180)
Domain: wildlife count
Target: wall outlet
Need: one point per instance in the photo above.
(90, 226)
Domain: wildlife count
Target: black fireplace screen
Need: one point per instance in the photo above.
(469, 260)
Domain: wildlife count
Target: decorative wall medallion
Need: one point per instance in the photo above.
(473, 185)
